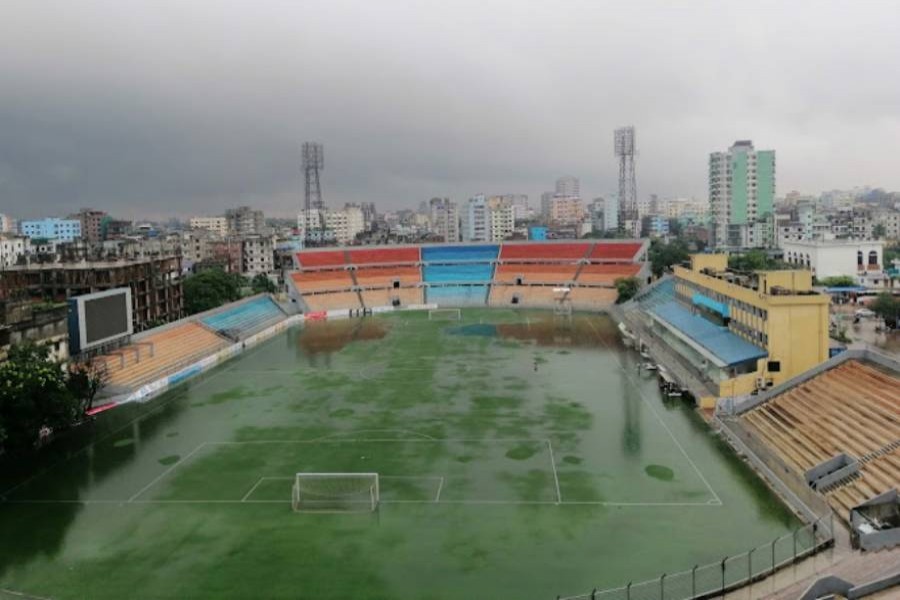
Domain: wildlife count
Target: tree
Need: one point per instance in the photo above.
(879, 231)
(887, 307)
(838, 281)
(627, 287)
(755, 260)
(34, 396)
(210, 289)
(664, 255)
(261, 284)
(85, 381)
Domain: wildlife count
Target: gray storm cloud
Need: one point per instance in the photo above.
(148, 108)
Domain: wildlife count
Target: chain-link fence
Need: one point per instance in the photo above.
(731, 572)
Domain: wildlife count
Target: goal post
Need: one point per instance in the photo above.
(444, 314)
(335, 492)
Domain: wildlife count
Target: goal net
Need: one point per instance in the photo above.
(335, 492)
(444, 314)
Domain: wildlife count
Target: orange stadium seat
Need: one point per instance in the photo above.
(313, 281)
(386, 276)
(614, 251)
(320, 258)
(152, 356)
(552, 273)
(384, 256)
(332, 301)
(606, 274)
(588, 298)
(549, 251)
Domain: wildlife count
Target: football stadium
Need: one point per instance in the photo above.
(456, 421)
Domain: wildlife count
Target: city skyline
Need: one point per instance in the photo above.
(149, 113)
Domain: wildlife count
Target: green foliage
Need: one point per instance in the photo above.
(627, 287)
(887, 307)
(838, 281)
(879, 231)
(261, 284)
(755, 260)
(891, 253)
(662, 255)
(85, 380)
(34, 394)
(211, 289)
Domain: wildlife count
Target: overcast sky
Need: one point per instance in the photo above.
(148, 108)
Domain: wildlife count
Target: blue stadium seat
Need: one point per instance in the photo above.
(245, 319)
(484, 252)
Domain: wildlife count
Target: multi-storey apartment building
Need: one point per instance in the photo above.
(741, 194)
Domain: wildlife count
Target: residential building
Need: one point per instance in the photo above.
(861, 260)
(568, 185)
(741, 193)
(444, 219)
(323, 226)
(257, 254)
(12, 247)
(692, 209)
(7, 224)
(487, 220)
(244, 220)
(521, 210)
(217, 225)
(52, 228)
(565, 210)
(43, 324)
(156, 291)
(91, 223)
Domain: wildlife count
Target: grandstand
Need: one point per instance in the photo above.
(159, 352)
(853, 408)
(509, 274)
(240, 321)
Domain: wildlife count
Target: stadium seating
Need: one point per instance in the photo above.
(527, 296)
(606, 274)
(245, 319)
(320, 258)
(386, 276)
(384, 255)
(530, 273)
(623, 251)
(592, 298)
(457, 295)
(458, 273)
(314, 281)
(852, 408)
(152, 356)
(385, 297)
(332, 301)
(483, 252)
(545, 252)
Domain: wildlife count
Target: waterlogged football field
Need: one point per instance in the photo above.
(519, 456)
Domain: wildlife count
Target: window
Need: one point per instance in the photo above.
(774, 366)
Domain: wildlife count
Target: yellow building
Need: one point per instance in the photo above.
(742, 330)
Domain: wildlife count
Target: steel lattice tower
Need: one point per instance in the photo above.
(313, 163)
(628, 213)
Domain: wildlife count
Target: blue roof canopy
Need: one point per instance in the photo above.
(727, 347)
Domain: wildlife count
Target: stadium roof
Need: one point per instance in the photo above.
(725, 348)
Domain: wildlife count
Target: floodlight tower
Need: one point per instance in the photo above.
(629, 223)
(313, 163)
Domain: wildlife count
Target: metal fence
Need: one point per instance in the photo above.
(713, 579)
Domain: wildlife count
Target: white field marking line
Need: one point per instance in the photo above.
(166, 472)
(437, 496)
(253, 489)
(555, 475)
(646, 401)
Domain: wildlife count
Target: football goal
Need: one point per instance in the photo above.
(335, 492)
(444, 314)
